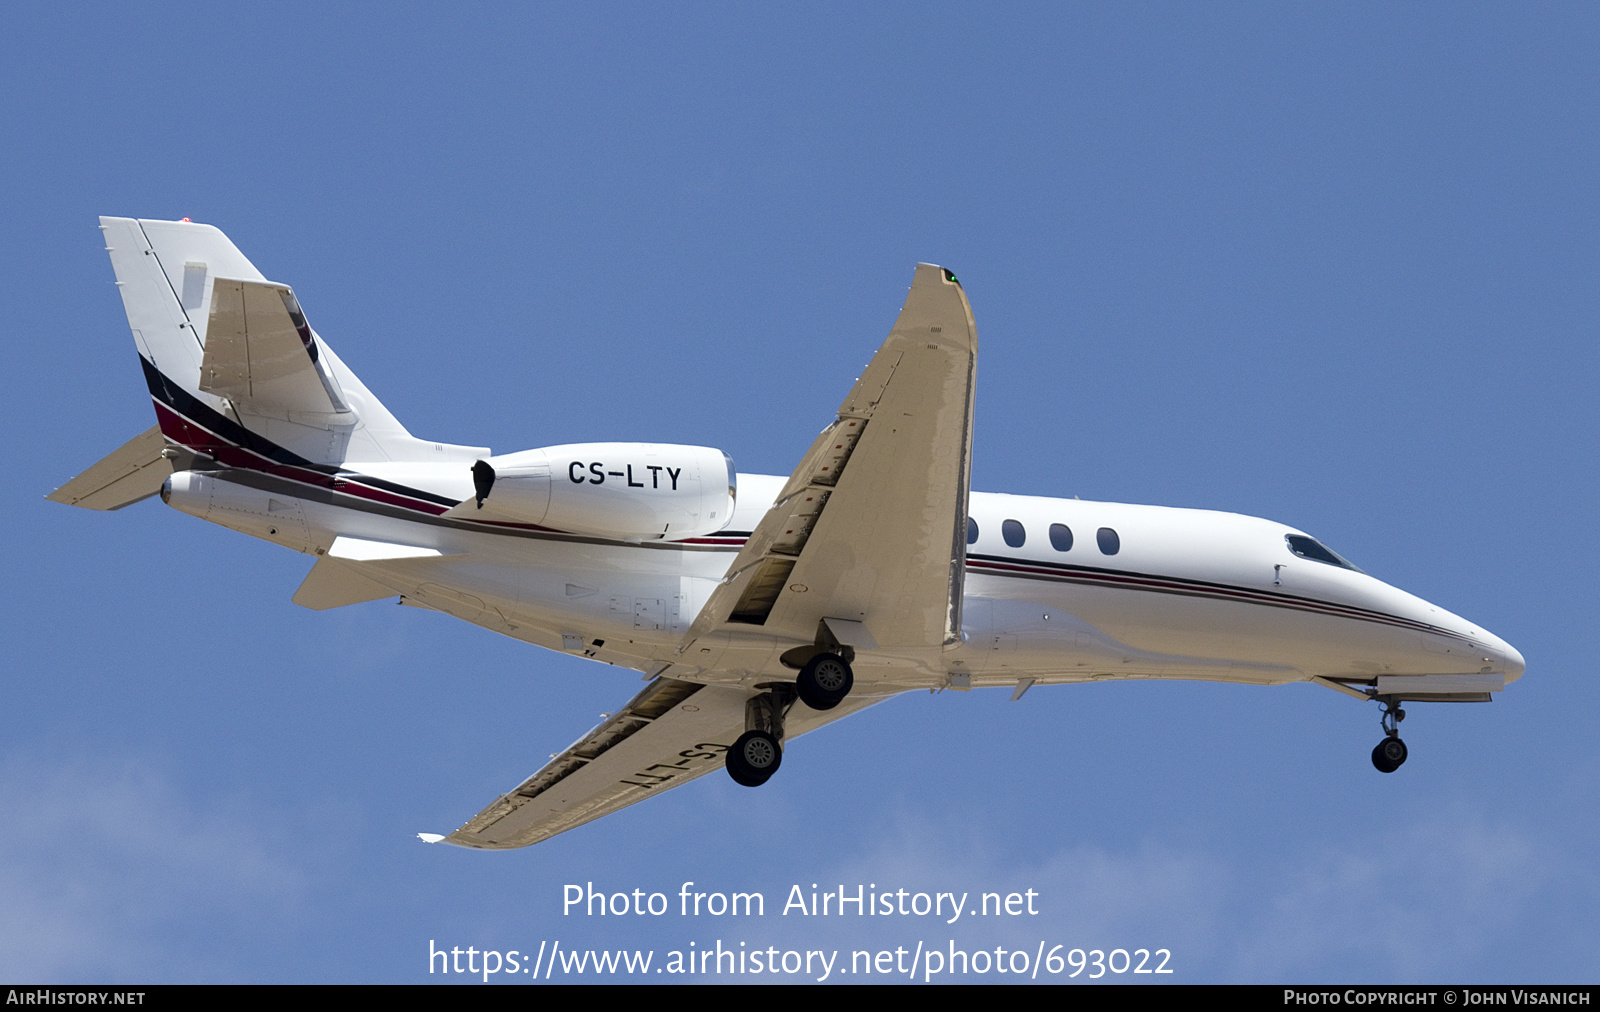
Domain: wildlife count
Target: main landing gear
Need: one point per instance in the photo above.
(1390, 753)
(825, 679)
(755, 756)
(757, 753)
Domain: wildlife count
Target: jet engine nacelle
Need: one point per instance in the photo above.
(634, 491)
(274, 516)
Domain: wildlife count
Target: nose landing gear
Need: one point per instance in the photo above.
(1390, 753)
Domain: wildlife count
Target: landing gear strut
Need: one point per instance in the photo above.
(1390, 753)
(757, 753)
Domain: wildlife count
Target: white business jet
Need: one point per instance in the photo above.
(758, 607)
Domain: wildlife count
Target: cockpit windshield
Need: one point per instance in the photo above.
(1311, 548)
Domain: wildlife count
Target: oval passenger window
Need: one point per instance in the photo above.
(972, 531)
(1061, 537)
(1012, 531)
(1109, 543)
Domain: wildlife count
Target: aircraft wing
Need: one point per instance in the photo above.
(667, 735)
(871, 527)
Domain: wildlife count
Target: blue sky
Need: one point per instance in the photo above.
(1333, 266)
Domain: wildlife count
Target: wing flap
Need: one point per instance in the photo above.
(131, 472)
(670, 733)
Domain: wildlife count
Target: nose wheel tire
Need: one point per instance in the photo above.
(824, 681)
(754, 758)
(1389, 755)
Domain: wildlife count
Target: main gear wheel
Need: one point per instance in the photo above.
(824, 681)
(755, 756)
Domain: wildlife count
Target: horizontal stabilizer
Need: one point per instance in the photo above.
(133, 471)
(260, 351)
(334, 584)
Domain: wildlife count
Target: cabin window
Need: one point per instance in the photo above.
(1012, 531)
(1311, 548)
(1108, 541)
(972, 531)
(1061, 537)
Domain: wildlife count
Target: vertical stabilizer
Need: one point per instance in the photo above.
(230, 359)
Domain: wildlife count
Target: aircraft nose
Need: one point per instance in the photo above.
(1510, 658)
(1514, 664)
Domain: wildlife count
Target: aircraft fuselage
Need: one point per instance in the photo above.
(1112, 591)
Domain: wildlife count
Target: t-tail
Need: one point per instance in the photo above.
(237, 375)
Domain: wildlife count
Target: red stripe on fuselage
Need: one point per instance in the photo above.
(202, 440)
(1191, 589)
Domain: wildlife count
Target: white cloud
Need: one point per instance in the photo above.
(1447, 895)
(1434, 899)
(107, 874)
